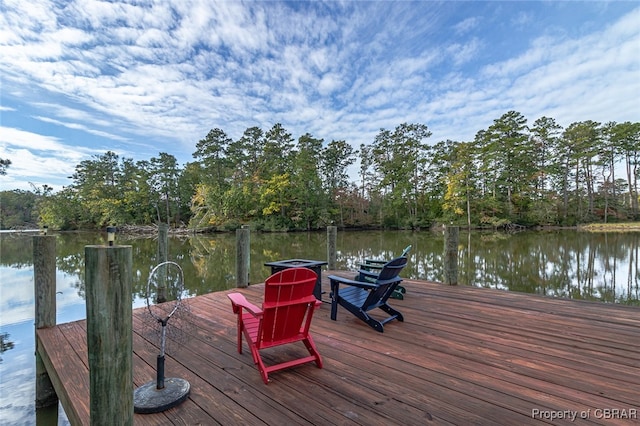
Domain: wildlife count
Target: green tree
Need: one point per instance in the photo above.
(190, 177)
(609, 155)
(275, 198)
(136, 202)
(584, 138)
(545, 136)
(545, 144)
(245, 156)
(247, 152)
(335, 160)
(4, 165)
(163, 181)
(509, 159)
(18, 209)
(460, 182)
(63, 210)
(96, 183)
(5, 344)
(626, 138)
(398, 158)
(277, 152)
(436, 173)
(211, 152)
(308, 196)
(367, 184)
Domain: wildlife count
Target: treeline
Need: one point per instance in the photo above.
(511, 173)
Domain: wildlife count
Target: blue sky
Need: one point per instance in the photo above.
(81, 77)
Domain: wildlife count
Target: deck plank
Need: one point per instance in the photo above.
(463, 355)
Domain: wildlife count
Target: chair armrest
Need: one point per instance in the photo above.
(336, 280)
(374, 262)
(239, 301)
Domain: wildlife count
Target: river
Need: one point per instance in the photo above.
(565, 263)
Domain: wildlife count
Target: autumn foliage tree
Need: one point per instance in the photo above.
(512, 173)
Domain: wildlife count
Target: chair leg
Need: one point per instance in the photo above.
(370, 321)
(388, 309)
(375, 324)
(240, 331)
(397, 295)
(311, 347)
(334, 307)
(261, 367)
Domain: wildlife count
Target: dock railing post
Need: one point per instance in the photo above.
(451, 236)
(108, 273)
(243, 256)
(44, 280)
(332, 233)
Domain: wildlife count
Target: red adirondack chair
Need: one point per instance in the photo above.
(285, 318)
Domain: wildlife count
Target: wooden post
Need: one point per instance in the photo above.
(44, 280)
(163, 242)
(163, 256)
(108, 272)
(332, 232)
(451, 235)
(243, 256)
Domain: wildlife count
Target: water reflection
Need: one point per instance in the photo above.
(601, 266)
(570, 264)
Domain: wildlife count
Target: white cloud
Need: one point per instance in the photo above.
(76, 126)
(570, 79)
(22, 139)
(462, 53)
(71, 113)
(522, 19)
(466, 25)
(38, 159)
(160, 75)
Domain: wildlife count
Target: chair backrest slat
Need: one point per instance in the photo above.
(288, 299)
(392, 268)
(390, 275)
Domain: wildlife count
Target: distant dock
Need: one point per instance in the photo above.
(463, 356)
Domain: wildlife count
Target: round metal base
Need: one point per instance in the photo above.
(148, 399)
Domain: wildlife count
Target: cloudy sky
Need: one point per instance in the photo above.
(140, 77)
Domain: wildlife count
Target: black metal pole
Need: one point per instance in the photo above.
(160, 372)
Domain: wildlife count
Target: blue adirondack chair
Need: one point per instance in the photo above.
(360, 296)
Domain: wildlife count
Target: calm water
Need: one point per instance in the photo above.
(602, 267)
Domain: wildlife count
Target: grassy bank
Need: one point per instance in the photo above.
(611, 227)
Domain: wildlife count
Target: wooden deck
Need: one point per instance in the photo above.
(463, 356)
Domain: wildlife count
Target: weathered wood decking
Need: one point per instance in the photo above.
(463, 356)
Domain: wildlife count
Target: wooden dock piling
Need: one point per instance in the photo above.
(163, 242)
(243, 256)
(109, 334)
(44, 280)
(332, 232)
(163, 256)
(451, 237)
